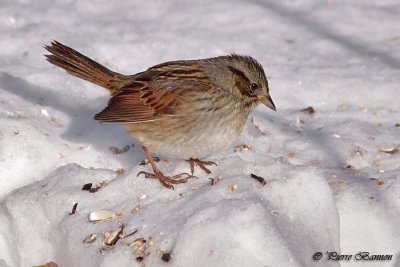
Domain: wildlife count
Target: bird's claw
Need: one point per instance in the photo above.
(201, 164)
(167, 181)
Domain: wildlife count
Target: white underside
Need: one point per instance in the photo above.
(205, 138)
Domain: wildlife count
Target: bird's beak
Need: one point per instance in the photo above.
(266, 100)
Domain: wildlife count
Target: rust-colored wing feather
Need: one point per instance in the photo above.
(154, 93)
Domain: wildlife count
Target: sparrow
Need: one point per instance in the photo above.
(184, 109)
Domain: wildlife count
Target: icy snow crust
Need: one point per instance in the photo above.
(340, 57)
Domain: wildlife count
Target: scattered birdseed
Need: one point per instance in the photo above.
(380, 181)
(120, 171)
(334, 188)
(196, 187)
(135, 209)
(166, 257)
(111, 238)
(139, 240)
(139, 246)
(74, 209)
(102, 184)
(115, 150)
(214, 181)
(90, 238)
(55, 121)
(44, 112)
(102, 216)
(146, 161)
(93, 190)
(243, 148)
(291, 154)
(336, 135)
(259, 179)
(310, 110)
(232, 187)
(391, 150)
(86, 187)
(143, 196)
(132, 233)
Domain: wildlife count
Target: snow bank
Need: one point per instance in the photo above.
(332, 172)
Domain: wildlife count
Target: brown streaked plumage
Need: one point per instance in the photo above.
(184, 109)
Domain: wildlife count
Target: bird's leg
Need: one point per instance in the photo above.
(202, 164)
(166, 181)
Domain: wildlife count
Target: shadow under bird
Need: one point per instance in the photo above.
(185, 109)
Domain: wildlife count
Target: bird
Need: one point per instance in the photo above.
(183, 109)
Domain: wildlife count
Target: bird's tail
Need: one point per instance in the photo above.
(83, 67)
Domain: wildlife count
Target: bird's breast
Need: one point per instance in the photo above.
(196, 135)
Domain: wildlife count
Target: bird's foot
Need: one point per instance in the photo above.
(167, 181)
(202, 164)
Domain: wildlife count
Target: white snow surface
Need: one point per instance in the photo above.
(329, 187)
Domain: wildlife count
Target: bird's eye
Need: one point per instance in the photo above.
(254, 87)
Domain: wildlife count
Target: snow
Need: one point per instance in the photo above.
(330, 188)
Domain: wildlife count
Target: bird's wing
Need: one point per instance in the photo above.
(160, 91)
